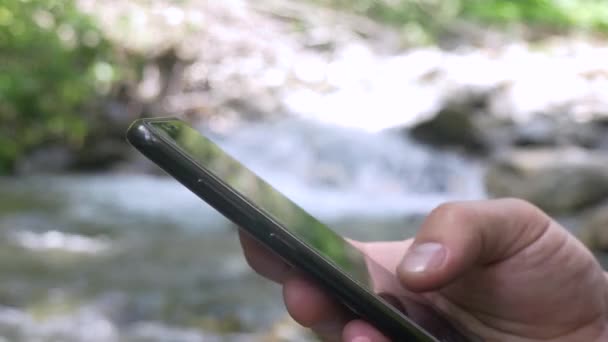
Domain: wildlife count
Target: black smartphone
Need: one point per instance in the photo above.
(285, 228)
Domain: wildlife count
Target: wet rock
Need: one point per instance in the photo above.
(561, 180)
(451, 127)
(594, 229)
(553, 130)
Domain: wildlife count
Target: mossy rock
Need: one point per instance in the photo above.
(560, 181)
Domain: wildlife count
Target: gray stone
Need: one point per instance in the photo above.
(556, 130)
(562, 180)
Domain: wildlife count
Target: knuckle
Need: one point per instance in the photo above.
(524, 208)
(521, 203)
(456, 213)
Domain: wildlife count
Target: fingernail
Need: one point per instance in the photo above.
(423, 257)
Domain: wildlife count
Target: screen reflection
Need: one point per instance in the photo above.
(301, 224)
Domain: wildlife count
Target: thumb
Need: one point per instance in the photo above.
(457, 237)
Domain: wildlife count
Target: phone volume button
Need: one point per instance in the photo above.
(288, 244)
(276, 238)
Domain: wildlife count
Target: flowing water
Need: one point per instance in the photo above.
(134, 257)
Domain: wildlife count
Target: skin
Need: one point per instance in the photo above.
(503, 271)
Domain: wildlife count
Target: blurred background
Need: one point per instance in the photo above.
(368, 113)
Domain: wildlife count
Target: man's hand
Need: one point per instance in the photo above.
(500, 269)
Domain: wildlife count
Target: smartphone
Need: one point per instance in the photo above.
(285, 228)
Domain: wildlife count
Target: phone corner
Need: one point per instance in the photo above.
(139, 134)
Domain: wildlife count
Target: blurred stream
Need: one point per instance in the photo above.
(119, 256)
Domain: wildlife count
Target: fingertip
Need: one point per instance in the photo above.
(361, 331)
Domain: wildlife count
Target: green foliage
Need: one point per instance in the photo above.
(425, 18)
(565, 14)
(53, 62)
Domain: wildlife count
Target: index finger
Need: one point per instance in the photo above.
(262, 260)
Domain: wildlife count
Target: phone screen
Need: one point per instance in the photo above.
(305, 228)
(293, 218)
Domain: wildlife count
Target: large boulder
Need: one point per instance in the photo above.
(560, 181)
(451, 127)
